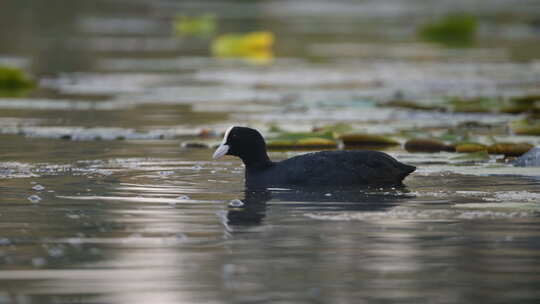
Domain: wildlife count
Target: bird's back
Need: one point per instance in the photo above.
(331, 168)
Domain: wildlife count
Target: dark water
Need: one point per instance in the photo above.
(100, 204)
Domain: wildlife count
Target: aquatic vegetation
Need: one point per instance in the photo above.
(455, 30)
(256, 47)
(328, 136)
(426, 145)
(509, 149)
(526, 104)
(473, 156)
(204, 25)
(470, 147)
(339, 128)
(526, 127)
(363, 139)
(304, 143)
(412, 105)
(14, 82)
(302, 140)
(475, 105)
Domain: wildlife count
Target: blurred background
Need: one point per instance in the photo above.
(109, 110)
(165, 68)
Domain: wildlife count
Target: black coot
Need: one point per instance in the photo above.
(327, 168)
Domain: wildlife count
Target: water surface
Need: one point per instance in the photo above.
(101, 204)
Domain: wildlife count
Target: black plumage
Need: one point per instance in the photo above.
(326, 169)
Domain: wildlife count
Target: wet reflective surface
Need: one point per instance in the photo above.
(101, 204)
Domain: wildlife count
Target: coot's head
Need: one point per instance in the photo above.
(246, 143)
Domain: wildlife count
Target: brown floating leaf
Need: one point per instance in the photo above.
(509, 149)
(362, 139)
(470, 147)
(426, 145)
(303, 143)
(407, 104)
(528, 99)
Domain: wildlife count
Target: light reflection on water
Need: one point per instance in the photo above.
(124, 215)
(137, 235)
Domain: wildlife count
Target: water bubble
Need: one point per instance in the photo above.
(38, 187)
(180, 236)
(38, 262)
(236, 203)
(175, 239)
(56, 252)
(74, 241)
(229, 270)
(34, 198)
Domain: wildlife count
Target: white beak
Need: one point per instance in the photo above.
(220, 151)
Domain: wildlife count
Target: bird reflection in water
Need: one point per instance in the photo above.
(255, 201)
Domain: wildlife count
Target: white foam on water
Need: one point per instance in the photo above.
(413, 214)
(523, 196)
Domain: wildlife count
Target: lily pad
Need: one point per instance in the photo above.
(339, 128)
(412, 105)
(299, 135)
(475, 156)
(303, 140)
(470, 147)
(362, 139)
(510, 149)
(426, 145)
(475, 105)
(528, 99)
(303, 143)
(526, 127)
(455, 30)
(13, 82)
(254, 46)
(203, 25)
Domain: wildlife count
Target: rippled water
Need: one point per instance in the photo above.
(100, 203)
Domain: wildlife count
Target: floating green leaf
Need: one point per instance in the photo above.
(475, 105)
(204, 25)
(14, 82)
(526, 127)
(304, 143)
(474, 156)
(302, 140)
(412, 105)
(338, 128)
(455, 30)
(256, 47)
